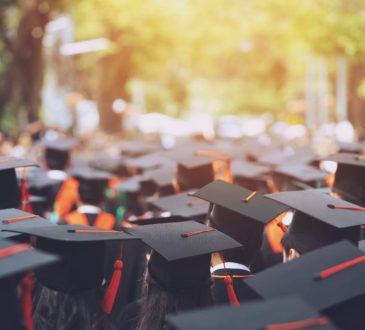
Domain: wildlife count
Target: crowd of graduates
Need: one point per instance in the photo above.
(221, 234)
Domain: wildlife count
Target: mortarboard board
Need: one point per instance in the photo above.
(136, 148)
(15, 260)
(350, 177)
(182, 205)
(240, 200)
(351, 147)
(250, 175)
(59, 144)
(291, 177)
(288, 313)
(320, 219)
(82, 249)
(162, 179)
(109, 163)
(149, 161)
(9, 192)
(14, 219)
(182, 252)
(330, 279)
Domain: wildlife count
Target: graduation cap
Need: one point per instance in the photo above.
(109, 163)
(331, 279)
(92, 184)
(136, 148)
(302, 176)
(250, 175)
(16, 259)
(83, 251)
(288, 313)
(239, 212)
(162, 180)
(182, 253)
(57, 152)
(320, 219)
(350, 177)
(351, 147)
(194, 170)
(14, 219)
(9, 190)
(182, 205)
(150, 161)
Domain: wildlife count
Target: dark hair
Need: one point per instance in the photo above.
(288, 242)
(91, 192)
(159, 302)
(58, 310)
(56, 160)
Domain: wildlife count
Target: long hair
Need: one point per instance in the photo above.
(159, 302)
(63, 311)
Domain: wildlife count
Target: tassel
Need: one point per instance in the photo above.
(230, 291)
(25, 200)
(113, 287)
(27, 286)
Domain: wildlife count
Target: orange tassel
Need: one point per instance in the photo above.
(27, 285)
(25, 203)
(230, 291)
(111, 292)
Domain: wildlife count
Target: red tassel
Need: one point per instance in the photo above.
(25, 206)
(112, 290)
(27, 286)
(230, 291)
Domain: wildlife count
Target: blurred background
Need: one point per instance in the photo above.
(177, 67)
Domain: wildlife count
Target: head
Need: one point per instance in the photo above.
(242, 229)
(190, 178)
(173, 287)
(92, 192)
(57, 159)
(307, 234)
(9, 191)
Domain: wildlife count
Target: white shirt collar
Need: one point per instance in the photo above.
(57, 175)
(229, 265)
(89, 209)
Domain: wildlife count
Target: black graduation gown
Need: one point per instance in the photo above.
(243, 292)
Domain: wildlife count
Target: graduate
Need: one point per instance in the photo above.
(241, 214)
(91, 195)
(57, 161)
(178, 275)
(319, 220)
(71, 294)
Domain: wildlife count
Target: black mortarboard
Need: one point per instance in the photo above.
(136, 148)
(57, 152)
(241, 214)
(182, 205)
(350, 177)
(240, 200)
(9, 191)
(351, 147)
(149, 161)
(15, 260)
(92, 184)
(250, 175)
(193, 170)
(163, 179)
(14, 219)
(330, 278)
(182, 252)
(284, 312)
(82, 249)
(302, 176)
(320, 219)
(107, 162)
